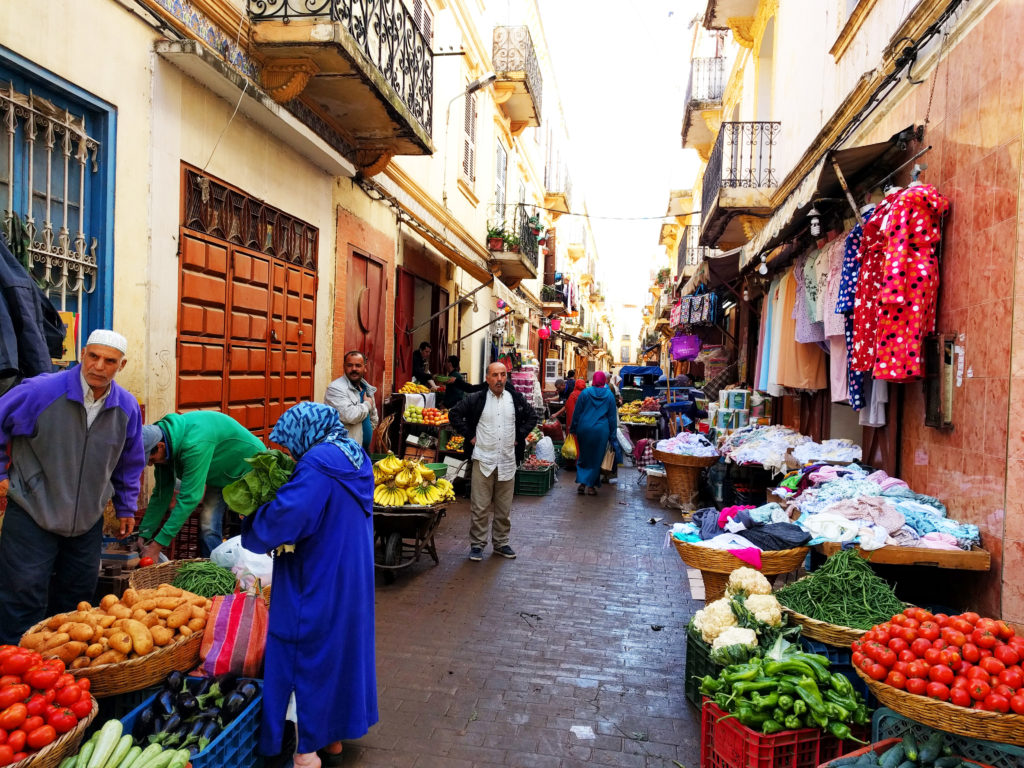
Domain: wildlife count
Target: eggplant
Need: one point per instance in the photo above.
(143, 724)
(210, 732)
(227, 682)
(193, 750)
(175, 737)
(233, 706)
(175, 681)
(210, 713)
(249, 689)
(166, 703)
(188, 705)
(173, 724)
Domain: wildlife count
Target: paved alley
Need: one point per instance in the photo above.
(571, 655)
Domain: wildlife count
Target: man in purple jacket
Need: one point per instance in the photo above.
(69, 442)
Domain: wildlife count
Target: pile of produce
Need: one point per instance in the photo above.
(399, 482)
(190, 712)
(744, 622)
(905, 753)
(110, 747)
(414, 414)
(627, 410)
(204, 578)
(270, 470)
(532, 462)
(845, 591)
(630, 412)
(965, 659)
(535, 436)
(413, 389)
(788, 690)
(136, 624)
(39, 702)
(650, 404)
(456, 444)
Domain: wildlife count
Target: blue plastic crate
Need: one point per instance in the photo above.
(840, 660)
(886, 724)
(235, 747)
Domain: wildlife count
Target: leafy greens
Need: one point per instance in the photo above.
(270, 470)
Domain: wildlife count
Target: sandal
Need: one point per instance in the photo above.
(582, 489)
(591, 491)
(330, 759)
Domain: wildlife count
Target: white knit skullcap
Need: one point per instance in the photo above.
(108, 339)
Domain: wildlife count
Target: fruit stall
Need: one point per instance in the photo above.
(641, 418)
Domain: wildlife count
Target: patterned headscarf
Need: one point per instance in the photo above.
(308, 424)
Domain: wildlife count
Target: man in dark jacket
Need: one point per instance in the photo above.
(74, 441)
(457, 387)
(495, 424)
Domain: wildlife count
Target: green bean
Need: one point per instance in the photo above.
(844, 591)
(205, 579)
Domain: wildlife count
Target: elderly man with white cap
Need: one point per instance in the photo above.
(74, 442)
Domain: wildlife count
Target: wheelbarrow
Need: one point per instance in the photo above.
(402, 534)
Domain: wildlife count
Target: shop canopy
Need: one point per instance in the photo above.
(715, 271)
(640, 370)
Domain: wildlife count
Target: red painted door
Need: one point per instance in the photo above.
(405, 308)
(364, 315)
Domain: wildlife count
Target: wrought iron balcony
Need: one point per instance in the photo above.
(364, 64)
(518, 87)
(703, 106)
(739, 178)
(557, 189)
(707, 79)
(521, 263)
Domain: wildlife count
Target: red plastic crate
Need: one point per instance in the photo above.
(881, 747)
(729, 744)
(186, 544)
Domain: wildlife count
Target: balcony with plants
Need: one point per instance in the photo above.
(365, 68)
(517, 90)
(515, 247)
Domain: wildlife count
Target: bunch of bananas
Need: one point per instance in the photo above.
(637, 419)
(413, 389)
(627, 410)
(399, 482)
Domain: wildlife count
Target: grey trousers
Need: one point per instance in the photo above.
(490, 502)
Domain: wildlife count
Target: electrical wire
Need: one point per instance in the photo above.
(245, 86)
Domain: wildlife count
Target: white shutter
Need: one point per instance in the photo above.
(500, 178)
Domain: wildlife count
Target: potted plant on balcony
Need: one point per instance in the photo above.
(534, 222)
(548, 293)
(496, 236)
(512, 242)
(663, 275)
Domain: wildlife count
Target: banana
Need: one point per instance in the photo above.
(406, 478)
(426, 474)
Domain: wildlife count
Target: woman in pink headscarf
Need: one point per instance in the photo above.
(593, 422)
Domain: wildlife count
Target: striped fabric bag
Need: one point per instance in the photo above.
(236, 635)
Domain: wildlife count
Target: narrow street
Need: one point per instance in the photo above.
(570, 655)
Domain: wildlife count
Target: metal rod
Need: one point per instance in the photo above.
(453, 304)
(499, 317)
(846, 189)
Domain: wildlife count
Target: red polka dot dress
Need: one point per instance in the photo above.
(869, 283)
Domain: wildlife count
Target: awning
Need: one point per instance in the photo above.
(572, 339)
(642, 370)
(715, 271)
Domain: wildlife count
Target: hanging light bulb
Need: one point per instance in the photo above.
(763, 268)
(815, 218)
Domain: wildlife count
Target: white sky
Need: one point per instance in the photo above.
(622, 69)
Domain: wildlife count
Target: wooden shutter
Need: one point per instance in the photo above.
(469, 139)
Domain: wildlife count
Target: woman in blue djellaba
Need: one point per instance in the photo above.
(320, 669)
(594, 422)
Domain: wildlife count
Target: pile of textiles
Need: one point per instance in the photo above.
(743, 531)
(766, 446)
(688, 444)
(827, 451)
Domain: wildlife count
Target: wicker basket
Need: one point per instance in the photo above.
(973, 723)
(53, 754)
(152, 576)
(715, 565)
(682, 474)
(822, 631)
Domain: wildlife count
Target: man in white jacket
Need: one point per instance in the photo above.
(352, 396)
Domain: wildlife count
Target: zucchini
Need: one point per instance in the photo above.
(148, 755)
(844, 761)
(893, 757)
(909, 747)
(947, 762)
(106, 742)
(130, 758)
(121, 749)
(86, 752)
(68, 762)
(163, 760)
(180, 759)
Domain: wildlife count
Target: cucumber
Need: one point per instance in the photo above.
(909, 747)
(121, 749)
(130, 758)
(931, 748)
(106, 741)
(68, 762)
(893, 757)
(844, 761)
(180, 759)
(908, 764)
(86, 752)
(149, 754)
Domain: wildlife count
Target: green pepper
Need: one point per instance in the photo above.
(819, 664)
(752, 686)
(765, 702)
(771, 726)
(710, 684)
(785, 702)
(836, 712)
(841, 684)
(846, 702)
(807, 690)
(742, 672)
(786, 687)
(723, 700)
(778, 714)
(792, 722)
(861, 716)
(750, 718)
(799, 707)
(842, 731)
(798, 668)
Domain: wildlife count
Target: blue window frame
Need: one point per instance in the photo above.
(62, 151)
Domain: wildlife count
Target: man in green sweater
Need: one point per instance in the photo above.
(205, 450)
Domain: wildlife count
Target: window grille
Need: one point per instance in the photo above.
(469, 140)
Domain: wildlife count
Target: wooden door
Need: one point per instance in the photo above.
(364, 315)
(438, 329)
(405, 303)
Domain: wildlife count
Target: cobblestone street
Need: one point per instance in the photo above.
(570, 655)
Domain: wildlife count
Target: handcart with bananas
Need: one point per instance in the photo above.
(409, 500)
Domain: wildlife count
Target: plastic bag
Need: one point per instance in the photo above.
(624, 442)
(247, 566)
(545, 450)
(569, 448)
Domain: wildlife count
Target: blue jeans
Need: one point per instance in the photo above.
(41, 573)
(211, 521)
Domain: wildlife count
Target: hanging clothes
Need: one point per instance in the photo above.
(877, 393)
(834, 322)
(806, 284)
(801, 366)
(760, 344)
(869, 286)
(910, 281)
(778, 300)
(847, 300)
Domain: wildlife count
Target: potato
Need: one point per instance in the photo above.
(196, 625)
(184, 631)
(81, 662)
(179, 616)
(208, 605)
(138, 614)
(84, 606)
(130, 597)
(197, 601)
(109, 600)
(36, 640)
(106, 621)
(57, 640)
(168, 603)
(97, 633)
(108, 657)
(161, 635)
(150, 620)
(56, 621)
(95, 650)
(166, 590)
(81, 632)
(147, 605)
(162, 613)
(120, 611)
(198, 613)
(142, 638)
(121, 641)
(69, 651)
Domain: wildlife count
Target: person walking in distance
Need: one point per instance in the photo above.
(495, 424)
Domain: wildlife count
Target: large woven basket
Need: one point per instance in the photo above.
(942, 716)
(715, 565)
(822, 631)
(53, 754)
(152, 576)
(682, 474)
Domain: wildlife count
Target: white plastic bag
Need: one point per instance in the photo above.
(247, 566)
(625, 442)
(545, 449)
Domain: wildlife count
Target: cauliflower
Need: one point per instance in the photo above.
(765, 608)
(735, 636)
(714, 619)
(749, 581)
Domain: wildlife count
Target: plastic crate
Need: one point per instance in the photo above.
(235, 747)
(559, 461)
(534, 482)
(881, 747)
(729, 744)
(186, 544)
(887, 724)
(840, 660)
(698, 664)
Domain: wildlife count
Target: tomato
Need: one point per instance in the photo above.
(901, 667)
(909, 634)
(41, 678)
(68, 695)
(1007, 655)
(14, 693)
(82, 707)
(865, 663)
(960, 625)
(896, 679)
(897, 644)
(917, 685)
(929, 630)
(907, 656)
(950, 658)
(992, 665)
(941, 674)
(932, 655)
(63, 720)
(6, 754)
(984, 639)
(918, 669)
(877, 672)
(886, 657)
(857, 657)
(31, 723)
(940, 643)
(984, 652)
(960, 697)
(84, 683)
(920, 647)
(36, 704)
(3, 736)
(937, 691)
(882, 636)
(979, 689)
(66, 678)
(970, 616)
(899, 618)
(1017, 703)
(977, 673)
(970, 653)
(964, 668)
(50, 709)
(941, 619)
(1003, 689)
(1012, 676)
(996, 703)
(16, 740)
(41, 736)
(17, 663)
(13, 716)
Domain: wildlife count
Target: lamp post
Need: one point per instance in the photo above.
(473, 87)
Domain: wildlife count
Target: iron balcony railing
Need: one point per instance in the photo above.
(707, 79)
(557, 181)
(514, 52)
(528, 245)
(742, 157)
(385, 32)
